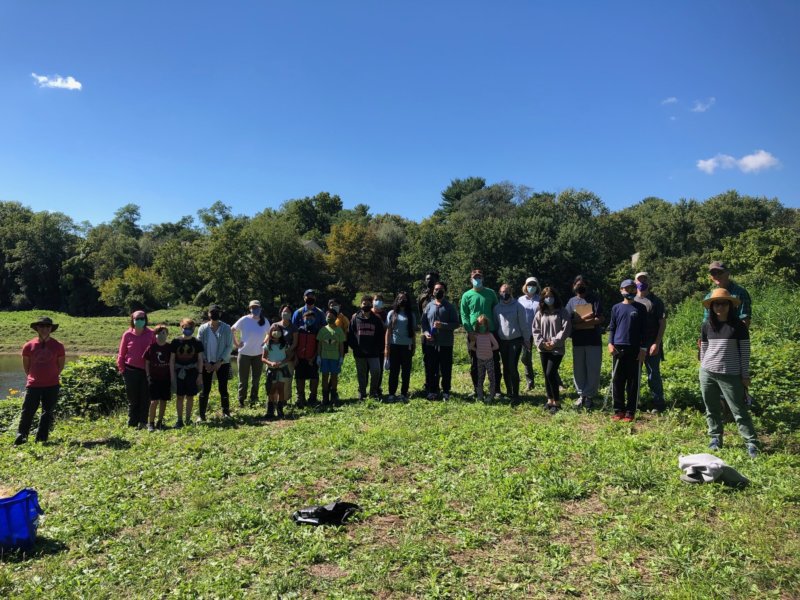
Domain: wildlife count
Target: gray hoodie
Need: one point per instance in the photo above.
(511, 321)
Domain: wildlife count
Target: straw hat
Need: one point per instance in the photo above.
(721, 294)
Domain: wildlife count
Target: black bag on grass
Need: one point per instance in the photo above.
(335, 513)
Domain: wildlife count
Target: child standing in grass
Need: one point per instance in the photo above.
(275, 356)
(187, 365)
(484, 345)
(551, 328)
(330, 355)
(157, 367)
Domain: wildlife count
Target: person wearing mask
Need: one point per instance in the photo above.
(475, 302)
(366, 337)
(130, 363)
(275, 356)
(330, 356)
(513, 335)
(654, 334)
(721, 278)
(306, 368)
(484, 345)
(626, 339)
(551, 328)
(187, 368)
(157, 361)
(379, 310)
(439, 321)
(309, 304)
(725, 367)
(290, 336)
(42, 360)
(425, 298)
(587, 317)
(400, 345)
(217, 339)
(530, 302)
(248, 334)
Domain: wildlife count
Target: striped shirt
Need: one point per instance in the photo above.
(726, 351)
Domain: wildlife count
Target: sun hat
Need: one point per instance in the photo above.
(44, 321)
(640, 274)
(721, 294)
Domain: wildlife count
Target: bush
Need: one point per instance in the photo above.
(91, 386)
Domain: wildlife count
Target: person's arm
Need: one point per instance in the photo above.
(237, 337)
(147, 364)
(493, 341)
(656, 347)
(387, 336)
(745, 308)
(703, 341)
(536, 330)
(612, 325)
(60, 363)
(26, 364)
(122, 353)
(465, 314)
(642, 332)
(744, 358)
(522, 320)
(227, 348)
(172, 377)
(566, 327)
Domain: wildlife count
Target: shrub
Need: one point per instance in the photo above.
(91, 386)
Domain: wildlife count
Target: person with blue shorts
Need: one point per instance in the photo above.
(330, 355)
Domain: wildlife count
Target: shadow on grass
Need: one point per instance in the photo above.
(113, 442)
(44, 547)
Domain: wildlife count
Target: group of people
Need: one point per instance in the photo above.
(501, 330)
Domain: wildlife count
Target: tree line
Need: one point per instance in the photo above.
(50, 262)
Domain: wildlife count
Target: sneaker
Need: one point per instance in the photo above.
(479, 397)
(160, 425)
(402, 398)
(656, 411)
(200, 419)
(715, 443)
(579, 403)
(226, 414)
(445, 396)
(391, 398)
(431, 396)
(241, 403)
(752, 450)
(588, 404)
(20, 439)
(178, 424)
(553, 409)
(627, 418)
(529, 387)
(618, 416)
(151, 427)
(335, 396)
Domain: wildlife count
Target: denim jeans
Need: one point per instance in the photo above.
(653, 365)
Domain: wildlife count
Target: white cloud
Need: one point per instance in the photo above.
(670, 100)
(700, 106)
(751, 163)
(57, 82)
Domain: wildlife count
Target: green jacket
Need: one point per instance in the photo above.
(475, 303)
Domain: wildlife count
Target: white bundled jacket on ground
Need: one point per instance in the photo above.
(707, 468)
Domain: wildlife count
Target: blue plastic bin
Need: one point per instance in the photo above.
(19, 519)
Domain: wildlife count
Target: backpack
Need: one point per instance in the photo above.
(306, 345)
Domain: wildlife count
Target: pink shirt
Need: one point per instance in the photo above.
(44, 370)
(485, 344)
(132, 348)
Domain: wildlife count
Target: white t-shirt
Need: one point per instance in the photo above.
(252, 334)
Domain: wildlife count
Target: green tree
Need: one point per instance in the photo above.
(458, 189)
(136, 288)
(215, 215)
(126, 221)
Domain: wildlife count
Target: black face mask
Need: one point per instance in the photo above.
(366, 307)
(310, 301)
(581, 289)
(505, 296)
(430, 283)
(438, 294)
(214, 315)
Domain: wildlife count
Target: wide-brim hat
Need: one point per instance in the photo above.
(44, 321)
(721, 294)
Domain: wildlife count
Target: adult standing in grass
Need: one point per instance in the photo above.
(725, 367)
(400, 345)
(424, 299)
(721, 277)
(366, 337)
(306, 368)
(130, 363)
(653, 336)
(379, 310)
(475, 302)
(42, 360)
(513, 335)
(330, 356)
(217, 339)
(187, 367)
(586, 314)
(290, 335)
(551, 328)
(530, 303)
(309, 304)
(248, 335)
(626, 344)
(157, 361)
(439, 321)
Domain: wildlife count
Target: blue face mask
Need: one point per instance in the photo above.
(477, 282)
(188, 331)
(309, 322)
(531, 289)
(255, 311)
(549, 301)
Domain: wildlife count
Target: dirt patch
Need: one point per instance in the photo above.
(327, 571)
(6, 491)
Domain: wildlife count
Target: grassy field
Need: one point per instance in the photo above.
(80, 335)
(460, 500)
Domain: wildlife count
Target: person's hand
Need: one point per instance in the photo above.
(427, 335)
(199, 380)
(746, 382)
(653, 350)
(588, 317)
(526, 344)
(437, 324)
(611, 349)
(217, 366)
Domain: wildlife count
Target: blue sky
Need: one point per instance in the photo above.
(253, 103)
